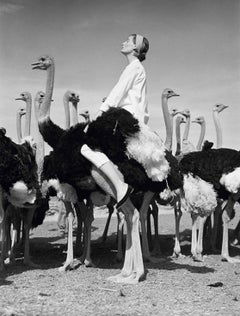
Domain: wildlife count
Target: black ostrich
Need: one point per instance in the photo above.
(32, 217)
(217, 173)
(18, 180)
(114, 133)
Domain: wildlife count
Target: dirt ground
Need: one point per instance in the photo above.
(172, 287)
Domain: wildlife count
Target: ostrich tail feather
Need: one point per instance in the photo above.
(148, 149)
(19, 194)
(231, 181)
(65, 191)
(199, 196)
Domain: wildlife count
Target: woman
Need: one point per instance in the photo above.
(129, 93)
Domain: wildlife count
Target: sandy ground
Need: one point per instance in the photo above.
(172, 287)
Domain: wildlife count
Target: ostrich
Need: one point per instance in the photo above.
(20, 113)
(187, 146)
(75, 170)
(32, 217)
(18, 182)
(201, 121)
(84, 211)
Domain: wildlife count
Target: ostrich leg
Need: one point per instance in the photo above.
(156, 248)
(177, 215)
(88, 219)
(194, 236)
(2, 230)
(202, 221)
(226, 215)
(143, 217)
(110, 212)
(79, 207)
(70, 217)
(27, 219)
(120, 224)
(133, 268)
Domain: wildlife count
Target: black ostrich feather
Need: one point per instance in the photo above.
(17, 163)
(210, 165)
(107, 133)
(51, 132)
(40, 212)
(207, 145)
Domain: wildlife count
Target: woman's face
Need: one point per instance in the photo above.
(128, 46)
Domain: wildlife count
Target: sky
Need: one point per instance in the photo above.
(194, 50)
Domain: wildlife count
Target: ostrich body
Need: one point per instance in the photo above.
(116, 126)
(31, 216)
(18, 180)
(220, 169)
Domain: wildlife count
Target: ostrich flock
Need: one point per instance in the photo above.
(202, 180)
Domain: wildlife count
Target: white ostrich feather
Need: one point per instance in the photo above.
(231, 181)
(199, 196)
(148, 149)
(65, 191)
(19, 194)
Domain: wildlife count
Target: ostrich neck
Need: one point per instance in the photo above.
(44, 111)
(178, 138)
(67, 112)
(28, 117)
(74, 113)
(40, 142)
(187, 127)
(201, 137)
(19, 127)
(218, 129)
(168, 125)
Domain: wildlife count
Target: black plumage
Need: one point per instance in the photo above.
(107, 133)
(17, 163)
(210, 165)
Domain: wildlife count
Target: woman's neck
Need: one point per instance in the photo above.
(131, 58)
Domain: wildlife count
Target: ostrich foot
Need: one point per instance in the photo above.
(133, 278)
(235, 242)
(177, 255)
(89, 263)
(198, 258)
(70, 265)
(10, 260)
(230, 259)
(30, 264)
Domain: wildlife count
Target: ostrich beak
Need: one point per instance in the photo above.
(35, 65)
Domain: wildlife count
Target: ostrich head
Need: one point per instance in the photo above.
(21, 111)
(168, 93)
(180, 119)
(174, 112)
(200, 120)
(3, 130)
(72, 96)
(86, 116)
(39, 97)
(219, 107)
(186, 113)
(25, 96)
(43, 63)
